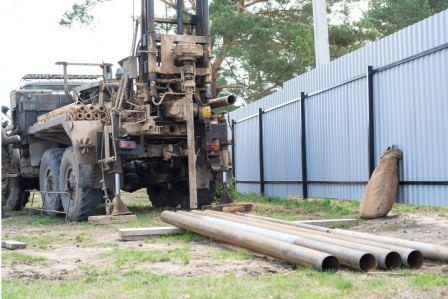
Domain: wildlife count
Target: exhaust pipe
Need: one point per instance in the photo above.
(350, 258)
(431, 251)
(387, 259)
(180, 17)
(278, 249)
(222, 101)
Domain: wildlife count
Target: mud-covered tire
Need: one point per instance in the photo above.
(205, 197)
(49, 180)
(82, 200)
(161, 197)
(17, 196)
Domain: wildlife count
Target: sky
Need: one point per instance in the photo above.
(32, 40)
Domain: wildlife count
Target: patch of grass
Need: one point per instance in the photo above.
(222, 253)
(14, 258)
(82, 239)
(376, 283)
(429, 280)
(43, 242)
(294, 209)
(133, 257)
(342, 284)
(185, 237)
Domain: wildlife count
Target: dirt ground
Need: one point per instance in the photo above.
(77, 250)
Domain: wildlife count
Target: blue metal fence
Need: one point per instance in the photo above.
(393, 91)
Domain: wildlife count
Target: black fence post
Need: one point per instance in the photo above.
(233, 126)
(303, 96)
(371, 142)
(260, 148)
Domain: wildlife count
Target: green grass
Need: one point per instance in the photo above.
(298, 209)
(132, 257)
(429, 280)
(42, 242)
(14, 258)
(301, 283)
(235, 254)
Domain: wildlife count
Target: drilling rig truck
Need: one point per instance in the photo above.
(151, 125)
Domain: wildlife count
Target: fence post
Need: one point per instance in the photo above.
(371, 142)
(260, 148)
(303, 96)
(233, 126)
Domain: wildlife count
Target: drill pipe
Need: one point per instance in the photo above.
(281, 250)
(387, 259)
(222, 101)
(410, 257)
(431, 251)
(350, 258)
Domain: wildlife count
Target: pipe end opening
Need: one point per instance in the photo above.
(367, 263)
(393, 260)
(415, 259)
(231, 99)
(330, 263)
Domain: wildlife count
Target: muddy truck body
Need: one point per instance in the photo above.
(150, 126)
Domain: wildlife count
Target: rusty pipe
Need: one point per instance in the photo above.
(100, 108)
(387, 259)
(88, 116)
(410, 257)
(429, 250)
(350, 258)
(222, 101)
(281, 250)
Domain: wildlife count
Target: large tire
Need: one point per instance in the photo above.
(205, 196)
(162, 196)
(49, 180)
(17, 197)
(82, 200)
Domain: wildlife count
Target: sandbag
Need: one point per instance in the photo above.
(381, 191)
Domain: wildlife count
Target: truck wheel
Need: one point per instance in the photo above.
(205, 197)
(160, 196)
(82, 200)
(17, 197)
(49, 179)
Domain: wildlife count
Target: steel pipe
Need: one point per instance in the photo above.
(180, 16)
(429, 250)
(222, 101)
(387, 259)
(350, 258)
(410, 257)
(278, 249)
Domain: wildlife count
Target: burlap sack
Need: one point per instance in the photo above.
(381, 191)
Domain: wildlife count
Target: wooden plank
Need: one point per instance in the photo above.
(329, 222)
(230, 208)
(140, 233)
(13, 245)
(150, 231)
(104, 219)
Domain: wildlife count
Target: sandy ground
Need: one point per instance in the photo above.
(67, 258)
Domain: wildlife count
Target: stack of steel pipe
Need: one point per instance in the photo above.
(359, 251)
(282, 250)
(428, 250)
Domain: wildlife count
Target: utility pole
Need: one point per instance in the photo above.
(321, 44)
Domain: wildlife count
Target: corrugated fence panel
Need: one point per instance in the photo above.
(410, 111)
(247, 167)
(336, 128)
(281, 140)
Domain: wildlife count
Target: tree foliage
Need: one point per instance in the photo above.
(389, 16)
(259, 44)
